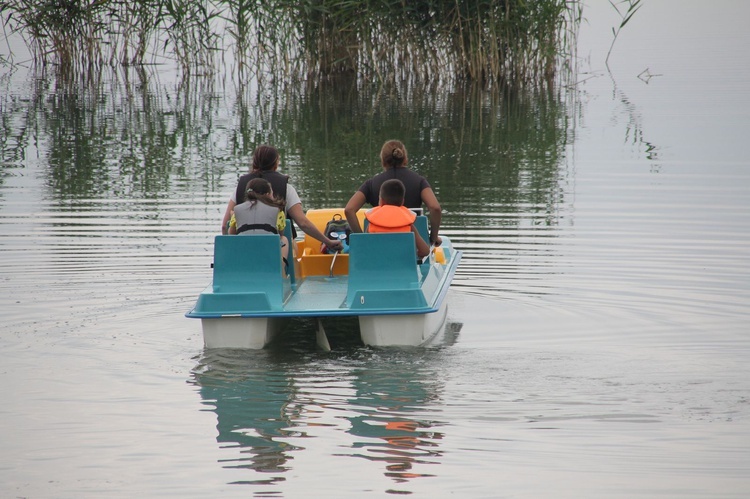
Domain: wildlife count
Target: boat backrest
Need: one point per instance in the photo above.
(421, 224)
(383, 272)
(292, 264)
(249, 264)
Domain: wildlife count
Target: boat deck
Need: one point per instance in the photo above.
(318, 294)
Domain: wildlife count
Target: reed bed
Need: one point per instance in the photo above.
(513, 42)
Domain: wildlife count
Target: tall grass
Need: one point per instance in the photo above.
(131, 29)
(67, 31)
(188, 24)
(80, 36)
(479, 40)
(488, 41)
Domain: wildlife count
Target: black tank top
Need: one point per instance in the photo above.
(277, 180)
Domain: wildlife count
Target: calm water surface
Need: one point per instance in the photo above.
(598, 342)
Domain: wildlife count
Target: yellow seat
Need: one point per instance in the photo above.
(312, 261)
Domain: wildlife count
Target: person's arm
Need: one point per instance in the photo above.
(423, 249)
(227, 215)
(436, 215)
(356, 202)
(299, 217)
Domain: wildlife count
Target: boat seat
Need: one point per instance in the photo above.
(421, 224)
(383, 272)
(247, 274)
(291, 266)
(311, 261)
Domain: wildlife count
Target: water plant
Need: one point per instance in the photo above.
(480, 40)
(68, 29)
(489, 41)
(626, 11)
(188, 26)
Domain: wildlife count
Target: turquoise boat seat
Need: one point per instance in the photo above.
(290, 270)
(421, 224)
(247, 275)
(383, 272)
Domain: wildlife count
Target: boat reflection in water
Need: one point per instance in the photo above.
(250, 395)
(271, 404)
(393, 426)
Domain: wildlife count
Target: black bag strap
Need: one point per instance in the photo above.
(266, 227)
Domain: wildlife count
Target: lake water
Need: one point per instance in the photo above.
(599, 326)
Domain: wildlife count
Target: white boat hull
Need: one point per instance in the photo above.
(240, 332)
(375, 330)
(402, 330)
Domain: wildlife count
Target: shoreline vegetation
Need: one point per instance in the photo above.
(505, 43)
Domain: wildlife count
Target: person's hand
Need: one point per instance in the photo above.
(437, 242)
(334, 245)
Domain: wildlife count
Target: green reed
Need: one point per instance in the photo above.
(80, 36)
(130, 31)
(626, 11)
(488, 41)
(480, 40)
(70, 31)
(188, 25)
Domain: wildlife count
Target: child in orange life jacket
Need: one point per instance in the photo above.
(392, 216)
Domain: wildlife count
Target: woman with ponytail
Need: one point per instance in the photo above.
(394, 160)
(265, 166)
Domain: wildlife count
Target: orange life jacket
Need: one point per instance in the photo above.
(389, 218)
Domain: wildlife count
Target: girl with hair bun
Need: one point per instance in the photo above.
(261, 213)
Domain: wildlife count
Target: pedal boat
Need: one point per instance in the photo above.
(398, 300)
